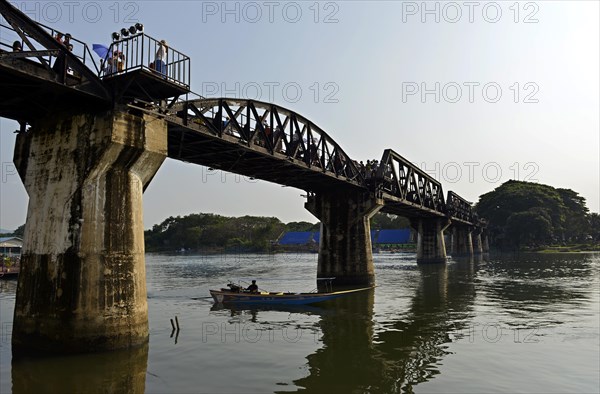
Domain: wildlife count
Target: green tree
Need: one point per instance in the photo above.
(577, 224)
(530, 208)
(19, 231)
(528, 227)
(301, 226)
(594, 222)
(248, 233)
(515, 197)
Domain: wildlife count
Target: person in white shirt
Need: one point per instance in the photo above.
(160, 61)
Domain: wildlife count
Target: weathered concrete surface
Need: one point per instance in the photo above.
(485, 247)
(477, 241)
(82, 285)
(463, 241)
(345, 250)
(431, 247)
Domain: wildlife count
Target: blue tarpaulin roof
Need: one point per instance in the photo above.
(296, 238)
(401, 236)
(393, 236)
(316, 237)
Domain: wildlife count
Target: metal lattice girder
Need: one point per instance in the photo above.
(403, 182)
(275, 143)
(410, 191)
(459, 208)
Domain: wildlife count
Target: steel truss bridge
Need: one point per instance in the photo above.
(256, 139)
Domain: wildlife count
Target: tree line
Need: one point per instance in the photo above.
(206, 231)
(523, 214)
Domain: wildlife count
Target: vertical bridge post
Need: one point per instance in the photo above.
(431, 248)
(463, 240)
(82, 285)
(485, 243)
(477, 240)
(345, 250)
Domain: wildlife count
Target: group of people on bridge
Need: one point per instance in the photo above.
(368, 170)
(116, 62)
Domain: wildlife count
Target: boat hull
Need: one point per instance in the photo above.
(225, 297)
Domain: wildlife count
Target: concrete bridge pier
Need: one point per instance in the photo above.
(431, 248)
(476, 237)
(463, 241)
(450, 241)
(485, 242)
(345, 250)
(82, 286)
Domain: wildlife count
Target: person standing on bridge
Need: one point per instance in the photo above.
(160, 61)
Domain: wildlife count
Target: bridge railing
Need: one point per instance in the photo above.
(139, 52)
(268, 127)
(79, 49)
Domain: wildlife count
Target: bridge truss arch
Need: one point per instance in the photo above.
(261, 140)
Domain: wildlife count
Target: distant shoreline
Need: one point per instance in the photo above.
(575, 248)
(554, 251)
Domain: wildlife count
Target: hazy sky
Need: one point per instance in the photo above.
(475, 92)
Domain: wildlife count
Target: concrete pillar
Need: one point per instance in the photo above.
(464, 241)
(82, 285)
(430, 240)
(345, 250)
(477, 242)
(485, 244)
(452, 236)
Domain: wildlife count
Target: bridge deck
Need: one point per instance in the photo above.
(144, 83)
(28, 89)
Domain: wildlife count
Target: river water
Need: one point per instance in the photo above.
(527, 323)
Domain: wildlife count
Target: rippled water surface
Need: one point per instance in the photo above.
(527, 323)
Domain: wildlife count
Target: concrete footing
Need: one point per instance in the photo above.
(345, 251)
(82, 285)
(431, 248)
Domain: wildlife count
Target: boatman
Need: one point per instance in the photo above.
(253, 288)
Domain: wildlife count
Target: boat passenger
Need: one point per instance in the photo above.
(253, 288)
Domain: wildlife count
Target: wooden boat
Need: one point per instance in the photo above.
(237, 296)
(9, 273)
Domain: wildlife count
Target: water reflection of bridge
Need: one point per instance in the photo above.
(121, 371)
(357, 356)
